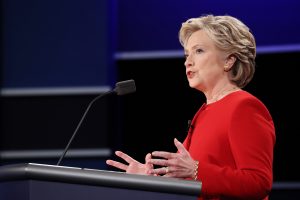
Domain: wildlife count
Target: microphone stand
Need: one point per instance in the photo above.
(80, 122)
(121, 88)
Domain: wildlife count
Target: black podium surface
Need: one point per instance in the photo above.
(32, 181)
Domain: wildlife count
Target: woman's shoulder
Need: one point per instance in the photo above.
(243, 100)
(243, 96)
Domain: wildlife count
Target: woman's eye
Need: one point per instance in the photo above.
(199, 50)
(186, 55)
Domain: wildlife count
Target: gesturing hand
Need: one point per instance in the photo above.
(179, 165)
(133, 166)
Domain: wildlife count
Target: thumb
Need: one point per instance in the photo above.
(180, 147)
(147, 159)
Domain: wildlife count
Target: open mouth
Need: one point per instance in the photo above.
(190, 74)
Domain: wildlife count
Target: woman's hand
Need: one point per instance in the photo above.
(179, 165)
(133, 166)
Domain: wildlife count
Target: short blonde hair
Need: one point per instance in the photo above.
(229, 35)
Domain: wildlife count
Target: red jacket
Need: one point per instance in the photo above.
(233, 140)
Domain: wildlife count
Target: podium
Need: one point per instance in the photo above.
(33, 181)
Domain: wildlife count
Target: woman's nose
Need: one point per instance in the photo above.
(188, 62)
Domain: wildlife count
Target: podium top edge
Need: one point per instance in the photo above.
(95, 177)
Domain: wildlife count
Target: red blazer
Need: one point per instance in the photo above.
(233, 139)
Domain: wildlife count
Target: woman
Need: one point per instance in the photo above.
(229, 147)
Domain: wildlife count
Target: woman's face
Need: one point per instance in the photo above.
(204, 62)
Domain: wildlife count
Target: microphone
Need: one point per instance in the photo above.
(121, 88)
(189, 126)
(125, 87)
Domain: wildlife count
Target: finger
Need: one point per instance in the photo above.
(169, 175)
(149, 166)
(117, 164)
(180, 147)
(125, 157)
(148, 157)
(158, 171)
(169, 170)
(161, 162)
(164, 154)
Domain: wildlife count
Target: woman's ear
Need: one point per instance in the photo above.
(229, 62)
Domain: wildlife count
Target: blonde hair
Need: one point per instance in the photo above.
(229, 35)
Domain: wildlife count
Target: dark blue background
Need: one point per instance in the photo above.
(70, 43)
(154, 25)
(57, 43)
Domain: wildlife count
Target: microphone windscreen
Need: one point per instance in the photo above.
(125, 87)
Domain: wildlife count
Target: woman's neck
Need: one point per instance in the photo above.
(221, 93)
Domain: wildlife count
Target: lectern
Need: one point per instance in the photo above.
(33, 181)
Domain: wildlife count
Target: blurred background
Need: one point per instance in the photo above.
(56, 56)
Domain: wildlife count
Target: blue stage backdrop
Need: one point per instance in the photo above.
(71, 43)
(57, 43)
(154, 25)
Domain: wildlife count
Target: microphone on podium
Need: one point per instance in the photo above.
(121, 88)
